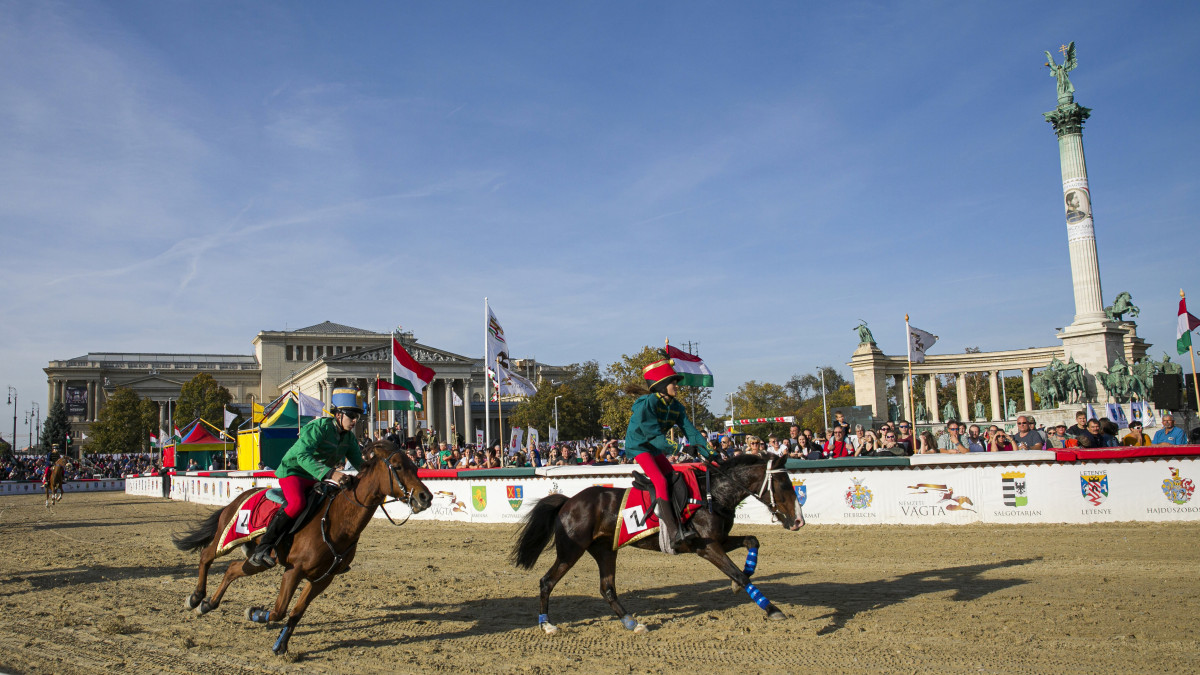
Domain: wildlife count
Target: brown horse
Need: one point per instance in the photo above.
(324, 547)
(54, 481)
(588, 522)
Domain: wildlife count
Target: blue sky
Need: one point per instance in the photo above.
(754, 177)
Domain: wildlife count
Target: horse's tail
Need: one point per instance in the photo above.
(200, 536)
(536, 530)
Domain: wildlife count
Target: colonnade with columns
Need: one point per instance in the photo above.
(873, 371)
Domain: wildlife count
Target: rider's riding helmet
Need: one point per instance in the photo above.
(345, 400)
(659, 374)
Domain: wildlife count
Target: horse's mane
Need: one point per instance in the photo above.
(738, 461)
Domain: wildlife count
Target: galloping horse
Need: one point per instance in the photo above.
(324, 547)
(589, 520)
(54, 481)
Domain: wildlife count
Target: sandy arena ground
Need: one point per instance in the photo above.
(96, 587)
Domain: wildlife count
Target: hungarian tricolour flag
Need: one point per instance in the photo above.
(693, 370)
(1187, 324)
(408, 380)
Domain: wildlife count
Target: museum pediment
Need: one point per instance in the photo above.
(419, 352)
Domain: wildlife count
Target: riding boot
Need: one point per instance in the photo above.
(275, 529)
(668, 520)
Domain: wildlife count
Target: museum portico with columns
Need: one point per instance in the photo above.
(312, 360)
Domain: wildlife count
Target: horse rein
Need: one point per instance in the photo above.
(353, 496)
(768, 486)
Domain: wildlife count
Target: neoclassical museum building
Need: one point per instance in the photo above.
(310, 360)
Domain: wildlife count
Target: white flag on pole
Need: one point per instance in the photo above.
(514, 441)
(533, 437)
(457, 399)
(919, 342)
(553, 435)
(229, 417)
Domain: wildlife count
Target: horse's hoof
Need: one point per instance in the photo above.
(203, 608)
(640, 629)
(733, 586)
(550, 628)
(190, 602)
(776, 615)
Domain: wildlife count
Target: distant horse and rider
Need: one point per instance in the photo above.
(323, 542)
(53, 482)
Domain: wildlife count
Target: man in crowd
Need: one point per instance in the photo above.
(795, 441)
(1169, 434)
(905, 438)
(837, 445)
(1080, 425)
(1026, 438)
(975, 442)
(774, 447)
(952, 441)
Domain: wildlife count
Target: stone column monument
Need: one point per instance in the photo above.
(1091, 339)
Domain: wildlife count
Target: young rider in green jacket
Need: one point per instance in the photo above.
(324, 446)
(646, 442)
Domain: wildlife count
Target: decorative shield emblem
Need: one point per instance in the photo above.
(1094, 487)
(858, 496)
(516, 494)
(1014, 489)
(801, 492)
(1177, 489)
(479, 497)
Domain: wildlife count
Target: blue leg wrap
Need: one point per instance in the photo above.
(757, 596)
(260, 615)
(629, 622)
(283, 636)
(543, 618)
(751, 561)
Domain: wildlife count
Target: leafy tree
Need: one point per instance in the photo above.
(5, 447)
(615, 400)
(201, 397)
(119, 426)
(55, 426)
(148, 411)
(766, 399)
(578, 407)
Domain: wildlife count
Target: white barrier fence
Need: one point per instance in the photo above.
(1028, 491)
(31, 487)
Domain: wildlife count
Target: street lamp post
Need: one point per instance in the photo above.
(556, 417)
(37, 412)
(12, 400)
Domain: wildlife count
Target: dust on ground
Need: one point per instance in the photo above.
(95, 586)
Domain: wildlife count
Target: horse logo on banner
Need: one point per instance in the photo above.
(479, 497)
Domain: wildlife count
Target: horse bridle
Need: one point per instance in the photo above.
(406, 498)
(769, 487)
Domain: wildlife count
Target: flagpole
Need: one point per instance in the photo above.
(392, 380)
(500, 417)
(1192, 354)
(912, 408)
(487, 386)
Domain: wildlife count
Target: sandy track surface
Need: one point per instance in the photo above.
(96, 587)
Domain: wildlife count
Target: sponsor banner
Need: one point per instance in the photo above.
(1036, 492)
(1077, 201)
(75, 400)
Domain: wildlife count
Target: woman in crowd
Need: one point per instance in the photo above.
(754, 445)
(926, 444)
(1000, 442)
(867, 443)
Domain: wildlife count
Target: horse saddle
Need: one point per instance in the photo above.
(256, 513)
(681, 496)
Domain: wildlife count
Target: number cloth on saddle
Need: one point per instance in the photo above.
(637, 517)
(255, 514)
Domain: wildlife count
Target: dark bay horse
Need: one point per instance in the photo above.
(323, 548)
(54, 481)
(588, 522)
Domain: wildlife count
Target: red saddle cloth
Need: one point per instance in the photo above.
(637, 518)
(251, 519)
